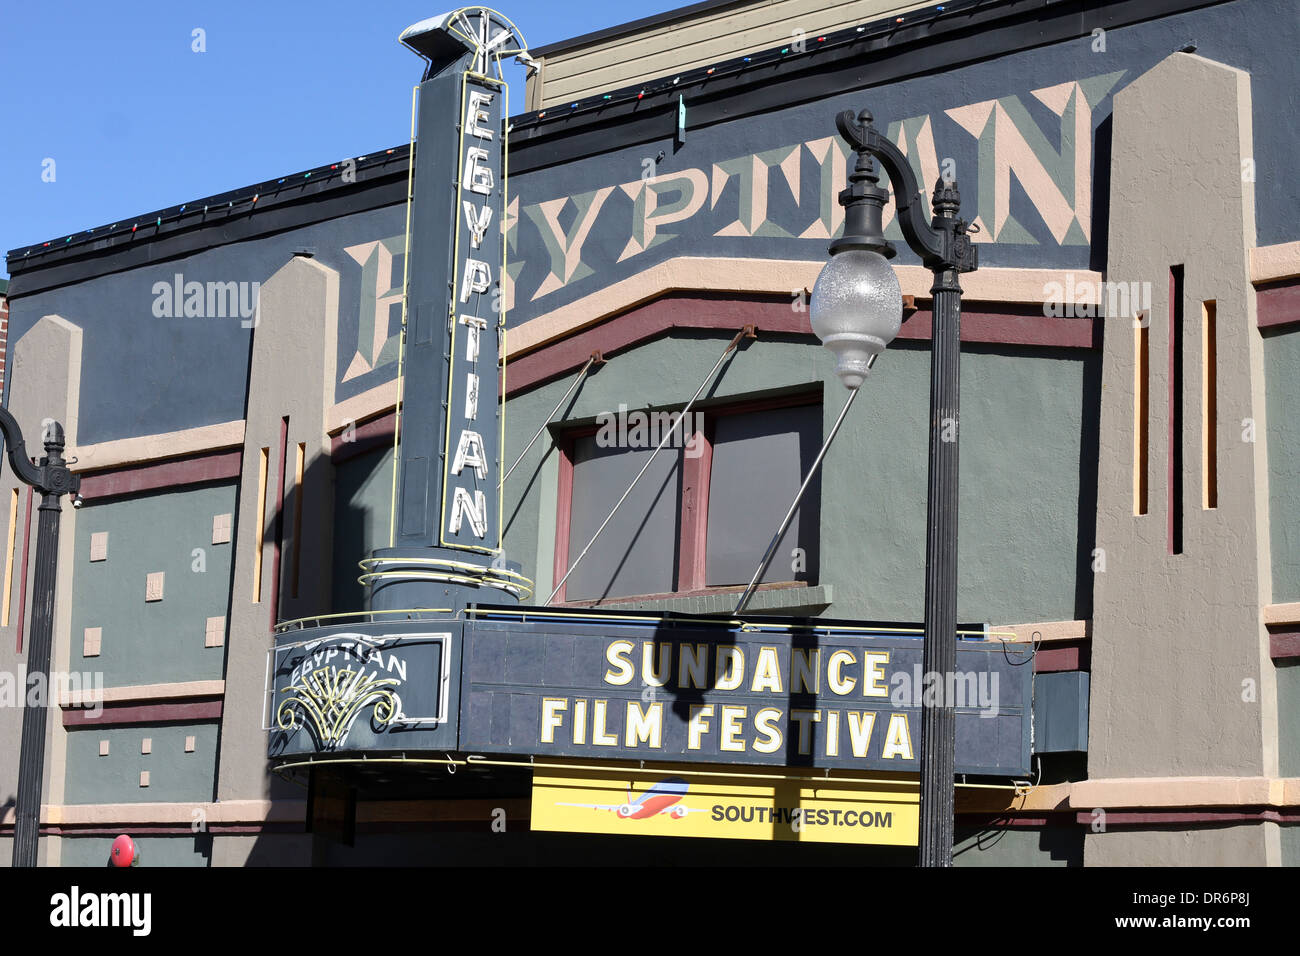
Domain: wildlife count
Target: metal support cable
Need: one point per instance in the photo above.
(789, 515)
(576, 382)
(748, 330)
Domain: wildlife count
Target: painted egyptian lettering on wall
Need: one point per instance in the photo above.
(573, 243)
(379, 317)
(1024, 162)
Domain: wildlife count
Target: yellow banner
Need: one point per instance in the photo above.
(672, 800)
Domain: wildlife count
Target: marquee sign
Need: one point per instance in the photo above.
(719, 694)
(776, 695)
(347, 689)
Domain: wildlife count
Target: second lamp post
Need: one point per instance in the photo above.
(856, 310)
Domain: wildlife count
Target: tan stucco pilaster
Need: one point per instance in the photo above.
(1182, 681)
(293, 375)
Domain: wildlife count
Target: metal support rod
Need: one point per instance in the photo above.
(667, 436)
(576, 382)
(939, 653)
(794, 506)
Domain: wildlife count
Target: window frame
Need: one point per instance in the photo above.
(692, 505)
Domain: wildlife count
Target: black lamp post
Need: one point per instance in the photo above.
(53, 480)
(856, 310)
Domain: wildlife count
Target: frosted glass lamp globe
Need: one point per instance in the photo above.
(856, 310)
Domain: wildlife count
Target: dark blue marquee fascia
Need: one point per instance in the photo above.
(566, 684)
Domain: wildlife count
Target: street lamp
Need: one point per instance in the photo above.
(53, 479)
(856, 310)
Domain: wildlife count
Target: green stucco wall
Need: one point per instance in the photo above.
(1028, 468)
(174, 775)
(158, 641)
(1288, 719)
(1024, 533)
(154, 851)
(1281, 358)
(1290, 844)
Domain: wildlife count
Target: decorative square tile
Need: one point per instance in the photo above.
(215, 633)
(221, 529)
(103, 748)
(144, 778)
(146, 745)
(153, 586)
(99, 546)
(189, 745)
(91, 640)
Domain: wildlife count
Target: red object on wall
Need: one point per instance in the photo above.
(124, 852)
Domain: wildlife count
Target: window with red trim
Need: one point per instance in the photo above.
(702, 515)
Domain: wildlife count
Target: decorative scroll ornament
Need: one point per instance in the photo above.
(329, 699)
(489, 33)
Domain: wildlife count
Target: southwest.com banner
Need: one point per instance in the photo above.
(673, 800)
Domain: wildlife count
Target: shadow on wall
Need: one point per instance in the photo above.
(299, 540)
(529, 848)
(154, 851)
(11, 802)
(1089, 453)
(990, 845)
(1100, 196)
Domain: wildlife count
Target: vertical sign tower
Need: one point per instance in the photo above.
(446, 547)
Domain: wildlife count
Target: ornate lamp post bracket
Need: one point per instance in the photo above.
(943, 244)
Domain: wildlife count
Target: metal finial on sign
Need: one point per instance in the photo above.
(488, 34)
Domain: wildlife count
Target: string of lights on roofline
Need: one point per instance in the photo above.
(246, 199)
(238, 201)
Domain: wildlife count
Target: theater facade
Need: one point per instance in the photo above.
(345, 587)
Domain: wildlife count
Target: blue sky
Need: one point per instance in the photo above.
(135, 120)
